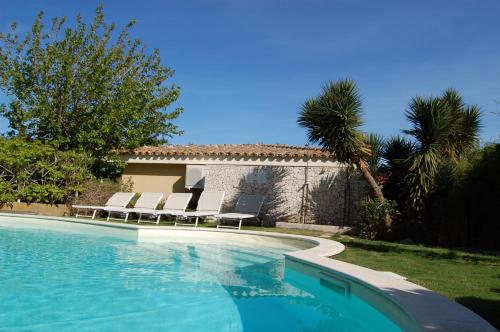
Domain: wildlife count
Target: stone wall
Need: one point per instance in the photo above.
(288, 197)
(37, 208)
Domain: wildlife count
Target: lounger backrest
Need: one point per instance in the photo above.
(148, 200)
(250, 204)
(210, 201)
(119, 199)
(177, 201)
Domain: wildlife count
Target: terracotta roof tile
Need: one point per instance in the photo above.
(231, 150)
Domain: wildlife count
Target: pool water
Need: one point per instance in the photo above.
(64, 281)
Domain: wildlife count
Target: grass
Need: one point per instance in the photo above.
(470, 278)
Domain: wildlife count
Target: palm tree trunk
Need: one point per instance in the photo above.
(374, 187)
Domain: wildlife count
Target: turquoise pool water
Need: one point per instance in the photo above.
(65, 281)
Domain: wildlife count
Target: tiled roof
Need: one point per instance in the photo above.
(231, 150)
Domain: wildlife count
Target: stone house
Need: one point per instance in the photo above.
(301, 184)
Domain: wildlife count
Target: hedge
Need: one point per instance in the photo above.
(33, 172)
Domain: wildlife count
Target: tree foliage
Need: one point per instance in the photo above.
(372, 215)
(36, 172)
(444, 130)
(333, 120)
(425, 171)
(85, 87)
(395, 166)
(376, 143)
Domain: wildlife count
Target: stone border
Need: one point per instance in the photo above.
(314, 227)
(431, 311)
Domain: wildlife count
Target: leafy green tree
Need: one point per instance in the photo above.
(444, 130)
(85, 87)
(333, 119)
(36, 172)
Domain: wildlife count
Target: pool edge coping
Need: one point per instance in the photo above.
(430, 310)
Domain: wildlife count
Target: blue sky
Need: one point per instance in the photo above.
(245, 67)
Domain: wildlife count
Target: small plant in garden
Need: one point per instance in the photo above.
(373, 214)
(98, 191)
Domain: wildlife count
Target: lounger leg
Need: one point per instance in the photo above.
(93, 214)
(76, 216)
(109, 214)
(239, 227)
(196, 222)
(158, 219)
(126, 216)
(139, 220)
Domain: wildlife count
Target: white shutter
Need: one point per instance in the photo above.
(195, 176)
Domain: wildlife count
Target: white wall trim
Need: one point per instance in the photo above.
(241, 161)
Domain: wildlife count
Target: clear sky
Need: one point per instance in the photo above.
(246, 66)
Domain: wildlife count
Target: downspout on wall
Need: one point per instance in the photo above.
(305, 194)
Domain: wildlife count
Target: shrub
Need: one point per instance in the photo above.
(6, 194)
(97, 192)
(465, 211)
(373, 217)
(37, 173)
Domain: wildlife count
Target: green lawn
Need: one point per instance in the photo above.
(470, 278)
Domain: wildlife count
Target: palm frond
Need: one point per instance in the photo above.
(452, 100)
(395, 166)
(397, 149)
(421, 176)
(333, 119)
(464, 127)
(466, 132)
(429, 120)
(376, 143)
(445, 129)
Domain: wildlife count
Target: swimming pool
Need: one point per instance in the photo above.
(63, 276)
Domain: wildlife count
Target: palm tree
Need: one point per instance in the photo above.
(396, 153)
(444, 130)
(332, 120)
(376, 143)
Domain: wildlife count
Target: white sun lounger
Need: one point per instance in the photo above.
(209, 204)
(118, 200)
(175, 204)
(146, 203)
(247, 207)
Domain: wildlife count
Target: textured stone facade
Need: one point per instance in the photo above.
(293, 194)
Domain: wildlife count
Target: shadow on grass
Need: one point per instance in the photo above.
(426, 252)
(486, 308)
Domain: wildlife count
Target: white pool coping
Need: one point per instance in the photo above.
(431, 311)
